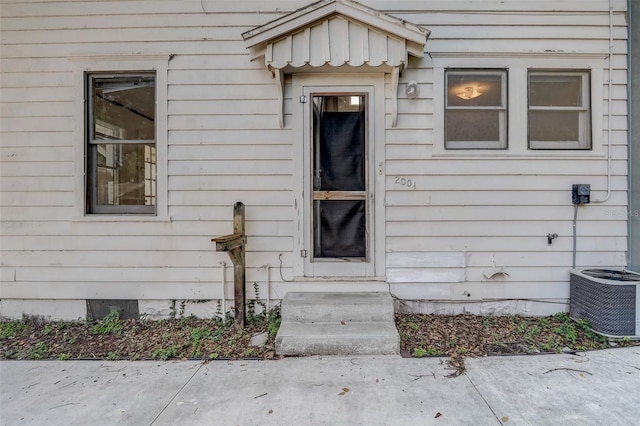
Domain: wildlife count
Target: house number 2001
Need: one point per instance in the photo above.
(405, 182)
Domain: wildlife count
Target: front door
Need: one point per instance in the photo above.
(339, 233)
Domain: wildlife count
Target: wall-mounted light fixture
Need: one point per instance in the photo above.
(413, 90)
(469, 93)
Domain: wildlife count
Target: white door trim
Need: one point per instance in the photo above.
(373, 85)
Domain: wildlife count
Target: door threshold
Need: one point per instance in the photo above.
(340, 279)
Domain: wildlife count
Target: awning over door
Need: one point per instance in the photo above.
(336, 36)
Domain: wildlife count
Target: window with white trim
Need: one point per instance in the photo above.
(121, 143)
(476, 109)
(559, 110)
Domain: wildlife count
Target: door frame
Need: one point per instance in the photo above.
(371, 84)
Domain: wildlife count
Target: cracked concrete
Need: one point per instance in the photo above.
(588, 388)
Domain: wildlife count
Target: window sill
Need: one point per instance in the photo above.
(121, 218)
(528, 155)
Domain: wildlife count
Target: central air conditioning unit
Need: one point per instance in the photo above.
(608, 298)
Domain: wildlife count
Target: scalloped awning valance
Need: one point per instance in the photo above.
(336, 36)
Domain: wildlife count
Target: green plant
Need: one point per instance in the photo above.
(39, 351)
(522, 326)
(562, 316)
(252, 316)
(413, 326)
(112, 356)
(420, 352)
(273, 322)
(219, 332)
(172, 309)
(487, 322)
(11, 328)
(63, 357)
(164, 353)
(199, 334)
(111, 324)
(568, 331)
(532, 332)
(585, 327)
(251, 352)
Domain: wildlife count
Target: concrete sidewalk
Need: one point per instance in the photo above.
(592, 388)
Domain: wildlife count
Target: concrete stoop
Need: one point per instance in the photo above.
(359, 323)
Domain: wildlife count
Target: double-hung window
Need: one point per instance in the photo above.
(559, 110)
(121, 143)
(476, 109)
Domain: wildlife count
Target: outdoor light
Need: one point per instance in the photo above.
(413, 90)
(469, 93)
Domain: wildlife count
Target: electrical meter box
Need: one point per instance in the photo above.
(581, 193)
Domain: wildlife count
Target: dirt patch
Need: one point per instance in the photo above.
(113, 339)
(459, 336)
(452, 336)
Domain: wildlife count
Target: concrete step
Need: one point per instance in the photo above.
(359, 323)
(350, 338)
(336, 307)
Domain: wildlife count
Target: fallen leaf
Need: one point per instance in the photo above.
(438, 414)
(342, 322)
(345, 390)
(504, 419)
(270, 411)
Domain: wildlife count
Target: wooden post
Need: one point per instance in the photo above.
(239, 266)
(234, 245)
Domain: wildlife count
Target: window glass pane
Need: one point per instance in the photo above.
(474, 89)
(555, 90)
(125, 174)
(124, 108)
(554, 125)
(473, 125)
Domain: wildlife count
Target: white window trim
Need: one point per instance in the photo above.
(127, 63)
(517, 66)
(584, 141)
(503, 111)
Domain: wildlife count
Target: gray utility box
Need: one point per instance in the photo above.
(608, 298)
